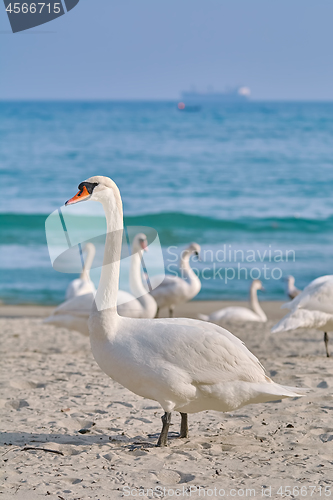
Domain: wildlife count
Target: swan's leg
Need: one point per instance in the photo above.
(184, 426)
(163, 439)
(326, 344)
(171, 309)
(157, 312)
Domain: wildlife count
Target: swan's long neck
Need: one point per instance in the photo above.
(254, 303)
(85, 275)
(291, 286)
(106, 296)
(146, 300)
(184, 266)
(136, 285)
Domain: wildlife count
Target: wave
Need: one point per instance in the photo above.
(173, 227)
(188, 221)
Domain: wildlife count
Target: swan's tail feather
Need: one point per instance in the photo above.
(265, 392)
(284, 325)
(294, 392)
(203, 317)
(272, 392)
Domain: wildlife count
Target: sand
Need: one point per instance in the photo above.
(101, 437)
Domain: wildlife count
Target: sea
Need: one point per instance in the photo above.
(251, 183)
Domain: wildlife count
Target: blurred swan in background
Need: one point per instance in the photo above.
(74, 313)
(292, 291)
(147, 302)
(238, 314)
(83, 284)
(311, 308)
(175, 290)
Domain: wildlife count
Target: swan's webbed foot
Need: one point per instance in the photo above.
(326, 344)
(163, 439)
(171, 309)
(157, 312)
(184, 426)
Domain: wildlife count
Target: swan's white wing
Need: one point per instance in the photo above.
(217, 330)
(303, 318)
(185, 338)
(317, 281)
(317, 296)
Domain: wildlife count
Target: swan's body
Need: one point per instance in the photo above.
(292, 291)
(240, 314)
(74, 313)
(312, 308)
(83, 285)
(184, 364)
(173, 289)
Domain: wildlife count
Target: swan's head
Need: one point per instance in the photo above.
(89, 247)
(257, 285)
(195, 249)
(97, 188)
(140, 243)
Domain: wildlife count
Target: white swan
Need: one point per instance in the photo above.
(312, 308)
(292, 291)
(74, 313)
(184, 364)
(240, 314)
(173, 289)
(83, 285)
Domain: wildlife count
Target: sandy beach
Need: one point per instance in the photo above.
(70, 432)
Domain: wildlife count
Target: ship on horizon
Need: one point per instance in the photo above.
(236, 94)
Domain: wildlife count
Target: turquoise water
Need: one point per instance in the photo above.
(255, 178)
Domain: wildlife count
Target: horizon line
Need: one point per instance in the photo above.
(161, 100)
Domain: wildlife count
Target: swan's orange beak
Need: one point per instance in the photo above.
(80, 196)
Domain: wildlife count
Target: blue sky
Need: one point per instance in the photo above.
(153, 49)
